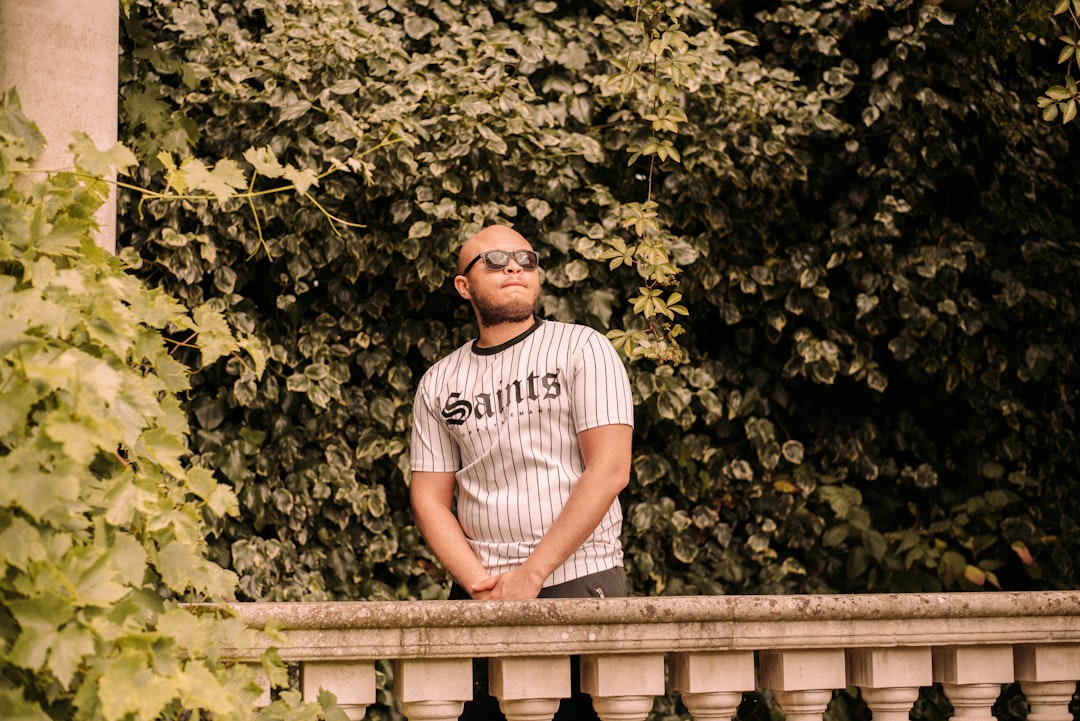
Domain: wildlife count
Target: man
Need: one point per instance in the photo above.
(530, 426)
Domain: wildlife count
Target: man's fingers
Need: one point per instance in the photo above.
(486, 585)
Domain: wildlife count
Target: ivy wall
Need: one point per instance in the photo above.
(856, 202)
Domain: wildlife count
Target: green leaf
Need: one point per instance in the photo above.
(302, 179)
(13, 707)
(100, 162)
(952, 566)
(15, 125)
(420, 229)
(222, 182)
(20, 544)
(418, 27)
(129, 687)
(329, 703)
(836, 535)
(1069, 114)
(74, 645)
(110, 575)
(215, 337)
(219, 498)
(684, 550)
(81, 440)
(182, 566)
(40, 618)
(975, 575)
(202, 689)
(264, 161)
(36, 490)
(294, 111)
(382, 410)
(18, 400)
(126, 500)
(345, 87)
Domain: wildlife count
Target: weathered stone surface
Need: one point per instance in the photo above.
(559, 627)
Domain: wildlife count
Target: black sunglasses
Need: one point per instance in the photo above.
(499, 259)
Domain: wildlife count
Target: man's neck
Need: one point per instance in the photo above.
(496, 335)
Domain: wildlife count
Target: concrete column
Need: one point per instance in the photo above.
(803, 680)
(1048, 674)
(712, 684)
(61, 56)
(890, 678)
(261, 678)
(623, 687)
(529, 688)
(972, 677)
(433, 689)
(352, 682)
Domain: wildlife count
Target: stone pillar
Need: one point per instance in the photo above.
(61, 56)
(712, 684)
(1048, 674)
(971, 677)
(433, 689)
(890, 678)
(352, 682)
(623, 687)
(261, 678)
(529, 688)
(803, 680)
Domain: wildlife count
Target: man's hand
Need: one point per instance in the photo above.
(516, 583)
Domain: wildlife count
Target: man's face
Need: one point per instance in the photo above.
(512, 301)
(502, 296)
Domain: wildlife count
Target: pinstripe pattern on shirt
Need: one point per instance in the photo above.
(506, 420)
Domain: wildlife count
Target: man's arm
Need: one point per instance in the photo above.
(432, 496)
(606, 453)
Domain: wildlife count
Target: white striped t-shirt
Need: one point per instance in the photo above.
(505, 420)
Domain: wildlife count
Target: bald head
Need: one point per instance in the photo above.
(493, 237)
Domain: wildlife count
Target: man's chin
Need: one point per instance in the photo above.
(505, 316)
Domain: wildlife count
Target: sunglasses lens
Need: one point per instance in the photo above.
(526, 259)
(496, 259)
(499, 259)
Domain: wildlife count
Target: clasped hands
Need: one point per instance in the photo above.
(517, 583)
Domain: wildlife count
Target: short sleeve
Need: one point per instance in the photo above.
(433, 449)
(602, 394)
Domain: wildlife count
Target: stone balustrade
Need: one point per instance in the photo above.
(708, 649)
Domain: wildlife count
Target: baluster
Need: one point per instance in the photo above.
(803, 680)
(529, 689)
(433, 689)
(352, 682)
(1047, 674)
(623, 687)
(972, 676)
(712, 684)
(890, 678)
(263, 680)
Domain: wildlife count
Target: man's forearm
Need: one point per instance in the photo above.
(606, 453)
(584, 509)
(447, 541)
(432, 496)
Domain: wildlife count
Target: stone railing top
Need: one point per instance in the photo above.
(448, 629)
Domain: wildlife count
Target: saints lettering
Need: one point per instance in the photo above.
(456, 410)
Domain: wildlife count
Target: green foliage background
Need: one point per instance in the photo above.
(102, 521)
(867, 219)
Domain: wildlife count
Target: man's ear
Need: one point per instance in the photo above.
(461, 284)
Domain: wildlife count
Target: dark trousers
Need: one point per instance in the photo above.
(485, 707)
